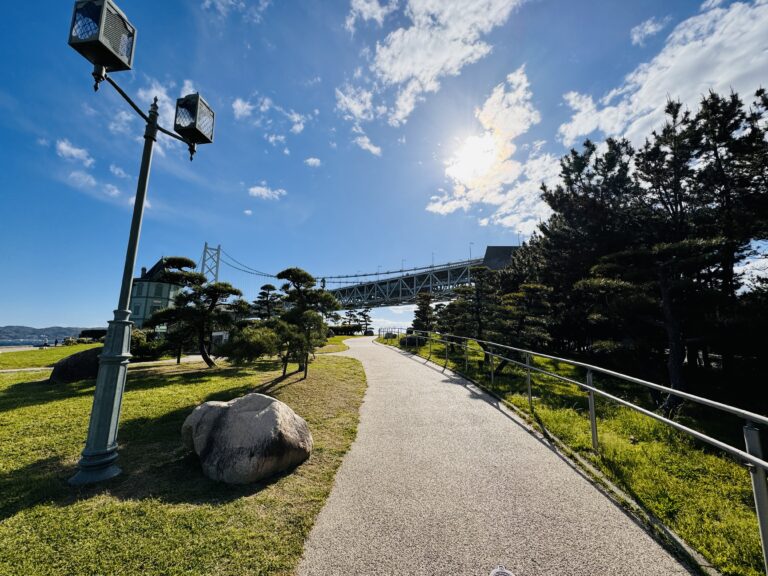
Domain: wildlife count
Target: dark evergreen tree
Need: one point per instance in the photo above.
(200, 308)
(268, 305)
(364, 317)
(306, 307)
(424, 317)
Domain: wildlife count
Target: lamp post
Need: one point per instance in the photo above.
(105, 37)
(470, 249)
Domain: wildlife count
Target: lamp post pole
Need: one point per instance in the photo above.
(98, 459)
(101, 33)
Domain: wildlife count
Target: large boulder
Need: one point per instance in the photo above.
(246, 439)
(79, 366)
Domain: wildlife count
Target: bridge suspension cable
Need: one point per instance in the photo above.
(243, 267)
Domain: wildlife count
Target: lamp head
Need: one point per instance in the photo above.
(102, 34)
(194, 119)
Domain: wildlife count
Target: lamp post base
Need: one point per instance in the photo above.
(94, 475)
(98, 459)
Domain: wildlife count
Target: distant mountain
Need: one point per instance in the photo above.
(27, 333)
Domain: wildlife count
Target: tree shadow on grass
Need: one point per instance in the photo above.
(37, 392)
(155, 465)
(34, 392)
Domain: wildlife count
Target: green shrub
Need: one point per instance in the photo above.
(146, 346)
(249, 344)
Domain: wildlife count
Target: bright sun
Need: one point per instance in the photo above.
(473, 159)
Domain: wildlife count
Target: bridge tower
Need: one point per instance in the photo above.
(210, 262)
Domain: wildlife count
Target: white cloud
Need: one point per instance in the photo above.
(646, 29)
(722, 49)
(121, 123)
(248, 212)
(82, 180)
(111, 190)
(365, 143)
(117, 171)
(368, 10)
(355, 103)
(444, 37)
(275, 139)
(242, 108)
(313, 162)
(484, 169)
(251, 11)
(709, 4)
(44, 142)
(266, 193)
(65, 149)
(266, 107)
(286, 151)
(187, 87)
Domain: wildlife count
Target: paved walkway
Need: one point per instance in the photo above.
(440, 480)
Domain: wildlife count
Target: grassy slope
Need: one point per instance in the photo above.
(40, 357)
(705, 497)
(162, 516)
(335, 344)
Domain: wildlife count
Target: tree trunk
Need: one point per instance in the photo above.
(204, 353)
(178, 355)
(500, 367)
(306, 365)
(676, 355)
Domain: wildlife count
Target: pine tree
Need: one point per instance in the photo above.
(424, 317)
(305, 310)
(200, 308)
(268, 305)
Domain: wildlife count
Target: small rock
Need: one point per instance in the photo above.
(246, 439)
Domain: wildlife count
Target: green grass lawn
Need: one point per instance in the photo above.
(703, 495)
(39, 357)
(335, 344)
(162, 516)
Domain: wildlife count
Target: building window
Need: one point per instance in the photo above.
(137, 310)
(139, 288)
(158, 290)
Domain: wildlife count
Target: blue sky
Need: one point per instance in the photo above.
(349, 134)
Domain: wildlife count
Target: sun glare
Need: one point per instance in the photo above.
(474, 158)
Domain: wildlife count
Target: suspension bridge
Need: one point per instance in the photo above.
(376, 289)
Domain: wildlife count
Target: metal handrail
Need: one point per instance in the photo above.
(744, 414)
(752, 456)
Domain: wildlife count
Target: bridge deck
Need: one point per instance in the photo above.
(441, 480)
(403, 289)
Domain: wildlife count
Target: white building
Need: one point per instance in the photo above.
(150, 293)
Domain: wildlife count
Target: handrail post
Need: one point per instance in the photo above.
(759, 486)
(592, 417)
(466, 357)
(491, 365)
(445, 343)
(528, 379)
(429, 335)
